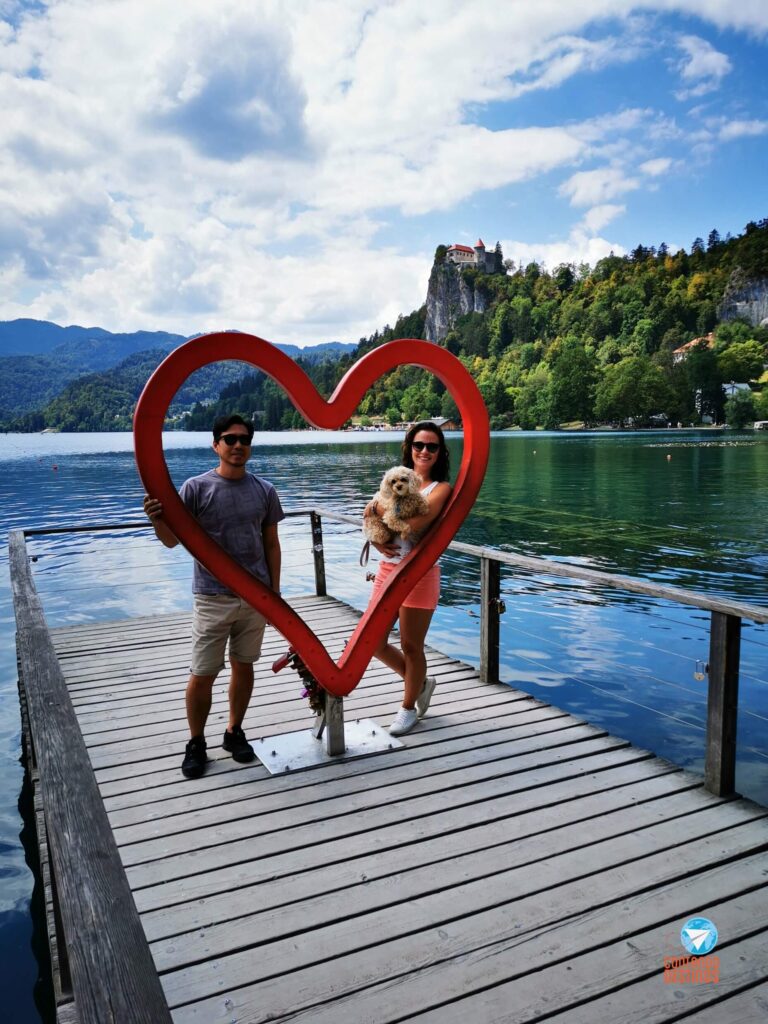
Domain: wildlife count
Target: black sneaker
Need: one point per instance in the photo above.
(238, 746)
(195, 758)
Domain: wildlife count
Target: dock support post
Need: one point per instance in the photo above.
(490, 610)
(334, 725)
(722, 703)
(317, 552)
(331, 723)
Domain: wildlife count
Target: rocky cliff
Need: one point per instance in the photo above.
(746, 299)
(450, 294)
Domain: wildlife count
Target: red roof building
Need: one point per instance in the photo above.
(682, 353)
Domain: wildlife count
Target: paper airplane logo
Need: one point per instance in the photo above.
(699, 936)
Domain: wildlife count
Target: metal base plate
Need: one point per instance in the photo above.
(295, 751)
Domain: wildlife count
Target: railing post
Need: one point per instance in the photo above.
(722, 703)
(317, 551)
(490, 609)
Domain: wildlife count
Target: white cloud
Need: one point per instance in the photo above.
(249, 163)
(654, 168)
(596, 219)
(578, 247)
(702, 64)
(590, 188)
(739, 129)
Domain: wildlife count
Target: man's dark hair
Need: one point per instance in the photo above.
(441, 467)
(223, 423)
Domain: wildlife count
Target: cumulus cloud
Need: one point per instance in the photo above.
(591, 188)
(702, 65)
(249, 163)
(654, 168)
(596, 219)
(579, 247)
(739, 129)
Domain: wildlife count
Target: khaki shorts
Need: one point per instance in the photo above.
(217, 618)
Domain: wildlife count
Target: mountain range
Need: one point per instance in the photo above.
(38, 359)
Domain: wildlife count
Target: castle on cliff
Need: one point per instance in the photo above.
(464, 256)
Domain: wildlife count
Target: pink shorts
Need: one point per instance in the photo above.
(425, 594)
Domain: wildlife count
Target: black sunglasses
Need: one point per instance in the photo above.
(233, 439)
(431, 446)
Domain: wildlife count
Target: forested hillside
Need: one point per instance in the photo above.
(595, 344)
(575, 344)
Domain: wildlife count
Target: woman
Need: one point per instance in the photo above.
(425, 451)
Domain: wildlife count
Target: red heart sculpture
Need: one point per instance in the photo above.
(338, 679)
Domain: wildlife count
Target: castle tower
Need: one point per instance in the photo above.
(480, 254)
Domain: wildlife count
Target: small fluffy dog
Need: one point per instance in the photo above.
(397, 500)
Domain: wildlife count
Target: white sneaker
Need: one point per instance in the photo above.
(422, 701)
(405, 719)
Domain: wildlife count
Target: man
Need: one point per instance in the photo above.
(241, 512)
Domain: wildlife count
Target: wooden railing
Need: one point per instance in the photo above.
(724, 634)
(112, 973)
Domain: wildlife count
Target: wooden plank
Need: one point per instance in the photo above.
(113, 976)
(363, 791)
(657, 799)
(750, 1006)
(289, 714)
(533, 788)
(366, 809)
(649, 1002)
(142, 746)
(423, 878)
(169, 786)
(66, 1013)
(448, 924)
(303, 787)
(163, 770)
(628, 784)
(612, 950)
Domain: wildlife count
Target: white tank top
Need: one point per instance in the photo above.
(405, 546)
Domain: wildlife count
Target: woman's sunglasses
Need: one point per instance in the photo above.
(233, 439)
(431, 446)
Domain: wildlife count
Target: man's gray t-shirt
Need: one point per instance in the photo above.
(233, 513)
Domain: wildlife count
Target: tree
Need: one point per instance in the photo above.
(705, 382)
(532, 402)
(448, 407)
(565, 277)
(572, 382)
(740, 410)
(633, 388)
(741, 362)
(498, 260)
(393, 416)
(502, 329)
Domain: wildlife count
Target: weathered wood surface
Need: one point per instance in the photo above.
(510, 863)
(111, 969)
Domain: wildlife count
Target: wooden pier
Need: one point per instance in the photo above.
(509, 863)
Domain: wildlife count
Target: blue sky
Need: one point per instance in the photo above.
(288, 168)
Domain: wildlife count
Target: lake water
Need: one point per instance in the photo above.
(682, 508)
